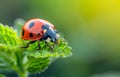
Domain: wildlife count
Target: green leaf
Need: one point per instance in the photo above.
(23, 60)
(38, 64)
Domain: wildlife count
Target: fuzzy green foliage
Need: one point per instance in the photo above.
(38, 64)
(13, 57)
(7, 35)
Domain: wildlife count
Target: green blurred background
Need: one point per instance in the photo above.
(92, 28)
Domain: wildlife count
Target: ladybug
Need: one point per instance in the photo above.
(39, 30)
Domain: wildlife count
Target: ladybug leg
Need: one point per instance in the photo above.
(39, 47)
(55, 42)
(28, 44)
(51, 47)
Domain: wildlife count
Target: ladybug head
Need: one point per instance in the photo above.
(50, 33)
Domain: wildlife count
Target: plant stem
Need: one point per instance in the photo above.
(22, 74)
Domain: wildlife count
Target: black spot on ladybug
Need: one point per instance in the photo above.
(23, 32)
(46, 26)
(38, 34)
(31, 24)
(31, 35)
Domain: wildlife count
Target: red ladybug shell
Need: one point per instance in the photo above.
(32, 29)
